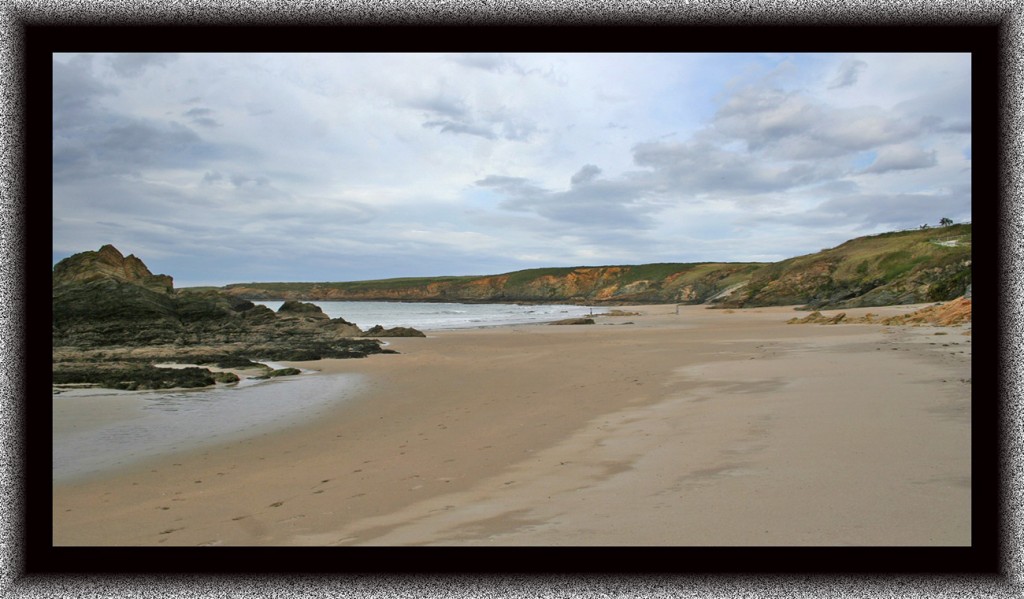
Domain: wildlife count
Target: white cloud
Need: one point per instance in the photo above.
(901, 158)
(848, 72)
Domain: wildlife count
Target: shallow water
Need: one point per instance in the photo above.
(159, 423)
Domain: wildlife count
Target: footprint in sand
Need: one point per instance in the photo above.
(170, 530)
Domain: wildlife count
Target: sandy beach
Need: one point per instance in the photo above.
(702, 427)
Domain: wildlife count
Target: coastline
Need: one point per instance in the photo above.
(730, 425)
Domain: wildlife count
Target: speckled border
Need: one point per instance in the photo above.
(13, 234)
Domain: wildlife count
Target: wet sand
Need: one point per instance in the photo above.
(707, 427)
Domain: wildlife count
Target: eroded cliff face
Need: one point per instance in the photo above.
(891, 268)
(685, 283)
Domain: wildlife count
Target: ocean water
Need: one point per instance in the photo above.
(167, 422)
(429, 316)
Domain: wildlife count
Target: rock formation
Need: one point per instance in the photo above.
(379, 331)
(952, 313)
(573, 321)
(108, 263)
(112, 316)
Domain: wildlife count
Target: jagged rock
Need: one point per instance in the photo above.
(818, 318)
(952, 313)
(379, 331)
(109, 263)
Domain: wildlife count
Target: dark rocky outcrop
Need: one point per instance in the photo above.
(103, 301)
(379, 331)
(574, 321)
(134, 378)
(279, 372)
(301, 309)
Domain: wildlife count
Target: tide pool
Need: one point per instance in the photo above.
(157, 423)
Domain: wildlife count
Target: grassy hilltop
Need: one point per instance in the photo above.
(891, 268)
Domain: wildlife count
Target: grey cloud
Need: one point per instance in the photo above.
(483, 61)
(790, 126)
(892, 211)
(447, 107)
(206, 122)
(201, 117)
(454, 127)
(246, 180)
(452, 115)
(955, 127)
(763, 115)
(141, 142)
(126, 146)
(602, 204)
(848, 73)
(586, 174)
(700, 167)
(74, 92)
(515, 186)
(133, 64)
(901, 158)
(517, 130)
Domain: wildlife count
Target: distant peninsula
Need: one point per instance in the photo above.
(904, 267)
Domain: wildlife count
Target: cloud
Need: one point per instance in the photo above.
(482, 60)
(878, 211)
(699, 167)
(452, 108)
(589, 202)
(75, 92)
(465, 128)
(133, 64)
(587, 174)
(901, 158)
(848, 72)
(143, 143)
(792, 125)
(201, 116)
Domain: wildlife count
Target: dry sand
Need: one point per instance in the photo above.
(706, 427)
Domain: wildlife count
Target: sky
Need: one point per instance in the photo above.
(232, 168)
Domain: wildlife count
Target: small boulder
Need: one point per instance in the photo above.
(296, 308)
(575, 321)
(379, 331)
